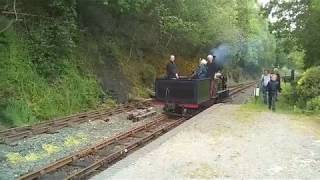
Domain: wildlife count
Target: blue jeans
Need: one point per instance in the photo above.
(272, 100)
(265, 94)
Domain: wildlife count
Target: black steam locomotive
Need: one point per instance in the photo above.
(186, 96)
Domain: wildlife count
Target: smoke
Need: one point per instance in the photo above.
(223, 53)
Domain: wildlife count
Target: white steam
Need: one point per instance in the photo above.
(223, 53)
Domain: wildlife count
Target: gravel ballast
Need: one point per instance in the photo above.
(35, 152)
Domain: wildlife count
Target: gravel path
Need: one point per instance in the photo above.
(227, 141)
(40, 150)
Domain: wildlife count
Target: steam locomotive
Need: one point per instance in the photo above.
(187, 96)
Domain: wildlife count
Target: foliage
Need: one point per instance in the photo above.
(296, 26)
(289, 94)
(51, 39)
(308, 86)
(27, 97)
(148, 75)
(305, 93)
(313, 105)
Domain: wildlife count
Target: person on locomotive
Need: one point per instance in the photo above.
(172, 69)
(202, 71)
(212, 66)
(212, 70)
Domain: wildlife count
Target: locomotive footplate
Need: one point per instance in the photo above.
(223, 94)
(173, 109)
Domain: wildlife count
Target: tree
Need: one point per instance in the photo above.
(297, 27)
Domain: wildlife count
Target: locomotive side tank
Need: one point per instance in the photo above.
(183, 96)
(183, 91)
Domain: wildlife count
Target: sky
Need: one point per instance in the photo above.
(263, 2)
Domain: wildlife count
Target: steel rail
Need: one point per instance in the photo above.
(10, 135)
(239, 88)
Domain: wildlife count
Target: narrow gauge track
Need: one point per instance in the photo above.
(239, 88)
(92, 160)
(14, 134)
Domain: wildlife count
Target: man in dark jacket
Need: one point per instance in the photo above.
(212, 70)
(212, 66)
(273, 88)
(172, 69)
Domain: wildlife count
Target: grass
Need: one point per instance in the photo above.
(282, 107)
(259, 106)
(247, 112)
(27, 97)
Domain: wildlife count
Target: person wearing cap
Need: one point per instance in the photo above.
(202, 71)
(172, 69)
(212, 70)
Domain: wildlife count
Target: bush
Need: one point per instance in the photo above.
(308, 88)
(289, 94)
(314, 105)
(148, 75)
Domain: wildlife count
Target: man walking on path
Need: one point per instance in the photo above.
(264, 82)
(273, 88)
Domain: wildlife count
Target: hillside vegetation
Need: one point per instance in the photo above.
(60, 57)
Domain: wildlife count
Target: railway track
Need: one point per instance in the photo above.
(14, 134)
(94, 159)
(239, 88)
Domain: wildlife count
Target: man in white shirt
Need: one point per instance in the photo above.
(264, 83)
